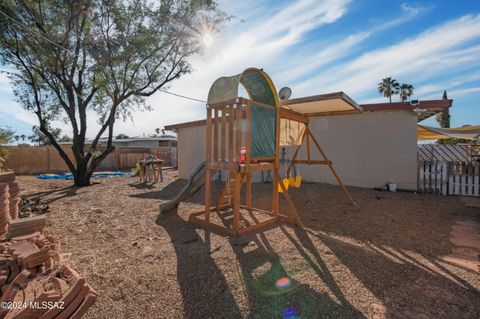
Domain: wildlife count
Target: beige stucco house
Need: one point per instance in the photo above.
(368, 148)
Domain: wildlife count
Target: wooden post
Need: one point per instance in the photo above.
(215, 135)
(238, 131)
(224, 134)
(345, 190)
(231, 115)
(248, 150)
(236, 203)
(307, 133)
(276, 166)
(208, 156)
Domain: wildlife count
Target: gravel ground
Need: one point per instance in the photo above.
(383, 260)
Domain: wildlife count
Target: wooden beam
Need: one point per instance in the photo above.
(231, 116)
(238, 131)
(332, 113)
(224, 104)
(290, 203)
(312, 162)
(215, 135)
(276, 164)
(248, 151)
(345, 190)
(307, 132)
(236, 202)
(292, 115)
(212, 225)
(259, 225)
(208, 156)
(225, 166)
(256, 167)
(263, 158)
(223, 135)
(268, 106)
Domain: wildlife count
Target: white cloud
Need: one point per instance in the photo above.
(259, 44)
(409, 12)
(271, 37)
(439, 50)
(13, 110)
(454, 94)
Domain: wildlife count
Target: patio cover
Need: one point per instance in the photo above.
(337, 103)
(435, 133)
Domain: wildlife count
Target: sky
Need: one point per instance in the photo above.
(317, 47)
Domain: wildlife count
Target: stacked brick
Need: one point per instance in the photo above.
(13, 190)
(34, 281)
(4, 208)
(32, 274)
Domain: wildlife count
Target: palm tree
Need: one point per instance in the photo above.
(16, 137)
(406, 90)
(388, 87)
(23, 137)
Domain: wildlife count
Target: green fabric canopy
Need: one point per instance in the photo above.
(257, 83)
(260, 88)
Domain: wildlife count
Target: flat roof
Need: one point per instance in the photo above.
(424, 109)
(340, 104)
(336, 103)
(135, 139)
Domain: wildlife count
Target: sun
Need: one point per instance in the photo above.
(207, 39)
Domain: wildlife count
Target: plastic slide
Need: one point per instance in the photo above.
(195, 182)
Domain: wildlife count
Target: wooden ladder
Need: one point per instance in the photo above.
(228, 191)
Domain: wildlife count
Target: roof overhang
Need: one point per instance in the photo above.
(436, 133)
(337, 103)
(424, 109)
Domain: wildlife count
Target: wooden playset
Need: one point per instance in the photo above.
(244, 136)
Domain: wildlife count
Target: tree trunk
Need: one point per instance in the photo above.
(81, 175)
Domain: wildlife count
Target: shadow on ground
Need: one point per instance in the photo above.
(50, 196)
(206, 283)
(394, 253)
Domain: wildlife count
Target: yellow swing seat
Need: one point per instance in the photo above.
(291, 182)
(298, 181)
(285, 184)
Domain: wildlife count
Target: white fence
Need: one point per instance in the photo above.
(447, 178)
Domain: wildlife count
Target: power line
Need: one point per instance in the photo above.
(183, 96)
(63, 48)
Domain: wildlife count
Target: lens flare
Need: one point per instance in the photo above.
(290, 313)
(283, 283)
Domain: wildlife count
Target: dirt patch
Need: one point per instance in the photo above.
(384, 259)
(465, 236)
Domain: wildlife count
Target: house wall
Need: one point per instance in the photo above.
(367, 150)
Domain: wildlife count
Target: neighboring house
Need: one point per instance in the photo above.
(161, 141)
(368, 149)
